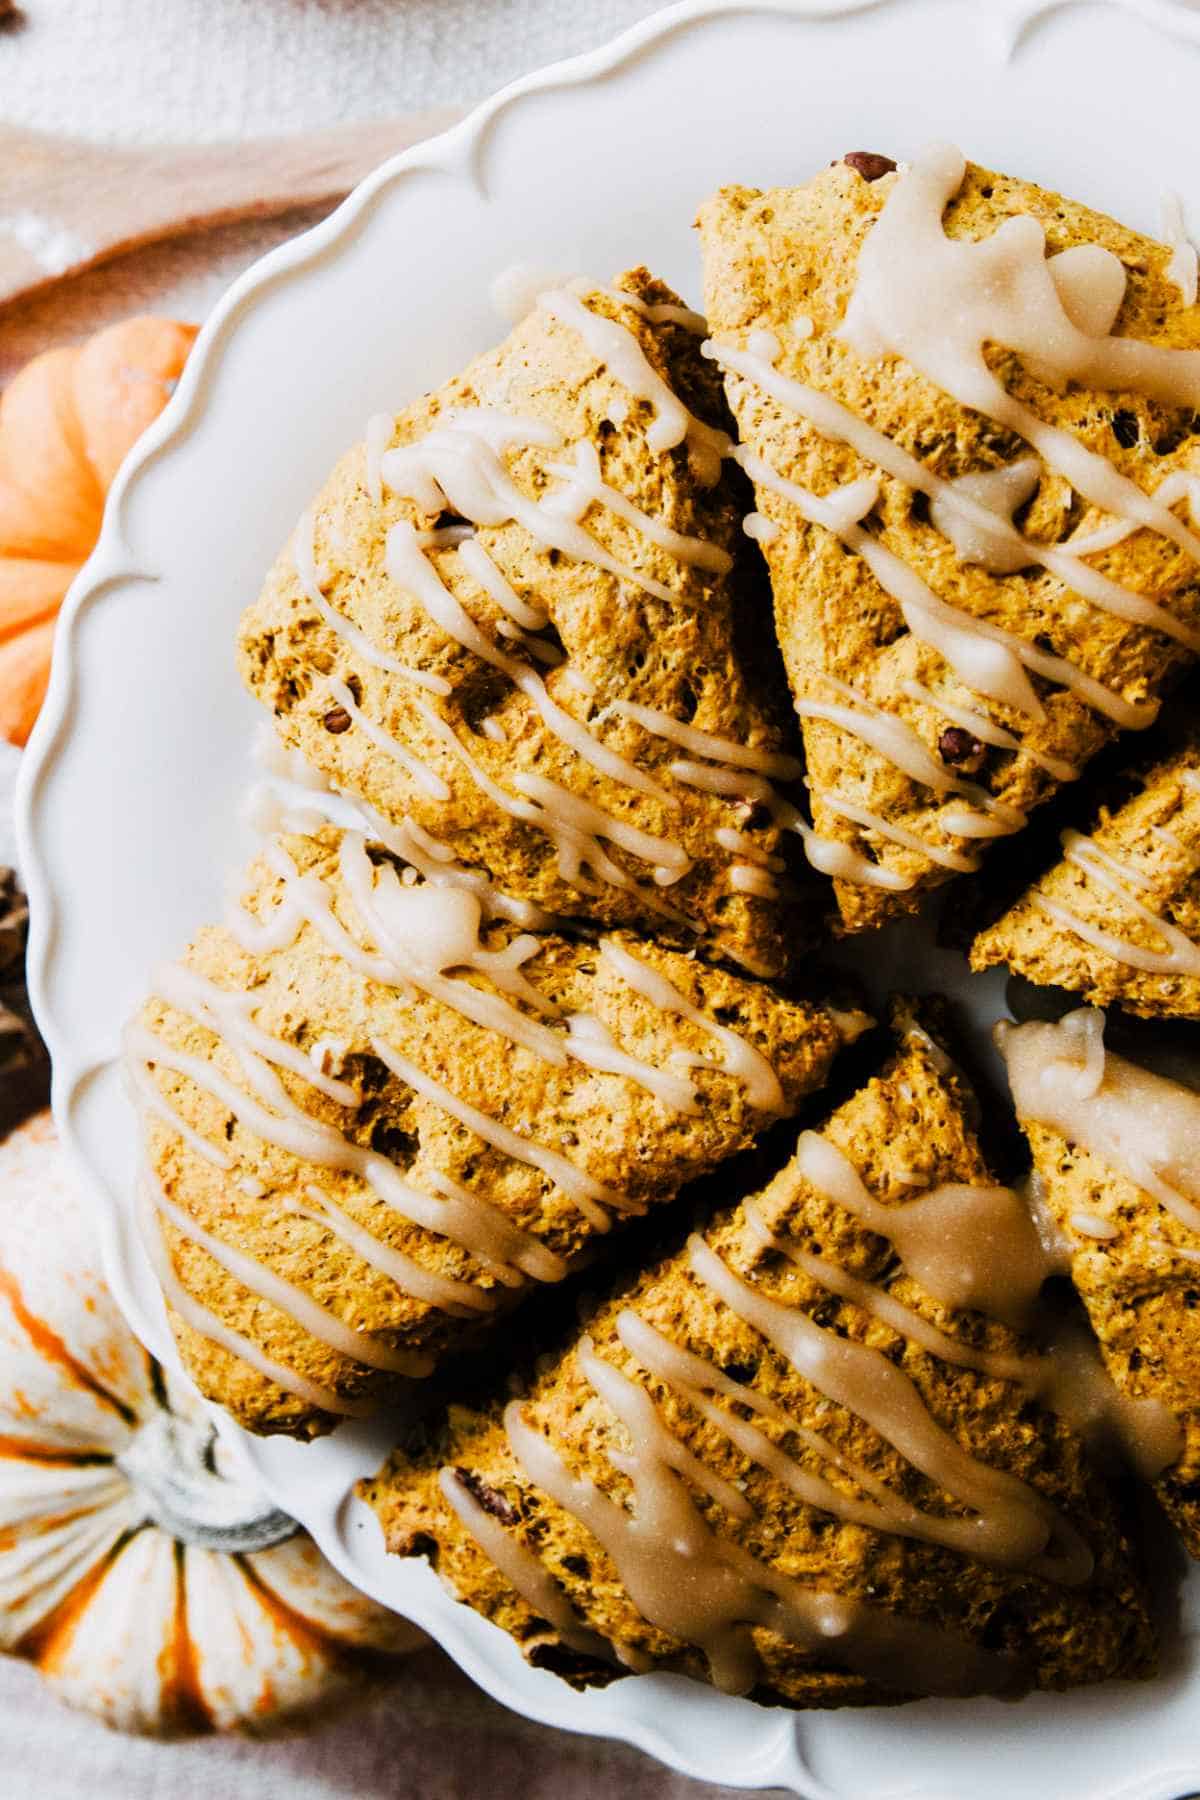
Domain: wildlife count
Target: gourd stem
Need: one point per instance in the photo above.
(178, 1471)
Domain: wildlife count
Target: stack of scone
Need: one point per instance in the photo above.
(534, 942)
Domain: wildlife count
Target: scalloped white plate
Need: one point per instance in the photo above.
(130, 790)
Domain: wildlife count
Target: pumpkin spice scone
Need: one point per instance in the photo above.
(968, 406)
(512, 623)
(1116, 1149)
(813, 1457)
(376, 1116)
(1117, 921)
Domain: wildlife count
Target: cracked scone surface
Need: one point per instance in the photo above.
(903, 1131)
(315, 1001)
(788, 254)
(1147, 874)
(699, 649)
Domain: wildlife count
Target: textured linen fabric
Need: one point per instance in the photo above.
(153, 71)
(433, 1737)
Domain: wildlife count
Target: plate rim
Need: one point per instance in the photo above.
(458, 150)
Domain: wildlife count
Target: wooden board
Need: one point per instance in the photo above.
(67, 205)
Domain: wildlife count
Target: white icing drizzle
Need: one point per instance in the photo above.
(704, 743)
(457, 466)
(972, 1247)
(658, 312)
(585, 484)
(573, 816)
(969, 1246)
(751, 878)
(985, 533)
(285, 805)
(740, 843)
(1140, 1124)
(937, 301)
(411, 570)
(590, 1196)
(1182, 268)
(1013, 1524)
(617, 347)
(997, 494)
(436, 862)
(320, 1322)
(590, 1040)
(419, 934)
(986, 658)
(312, 580)
(824, 854)
(417, 771)
(380, 427)
(696, 1378)
(846, 808)
(1088, 1225)
(481, 568)
(205, 1323)
(1176, 485)
(739, 1058)
(290, 1128)
(576, 827)
(1182, 955)
(900, 745)
(988, 732)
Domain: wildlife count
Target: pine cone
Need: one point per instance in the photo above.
(24, 1063)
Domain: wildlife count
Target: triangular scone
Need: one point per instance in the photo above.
(711, 1479)
(947, 666)
(374, 1121)
(567, 684)
(1118, 919)
(1117, 1153)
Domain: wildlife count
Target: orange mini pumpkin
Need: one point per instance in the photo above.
(67, 422)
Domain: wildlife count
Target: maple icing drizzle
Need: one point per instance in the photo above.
(970, 1247)
(707, 1590)
(936, 302)
(1139, 1124)
(1181, 955)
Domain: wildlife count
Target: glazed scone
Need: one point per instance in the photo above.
(567, 683)
(1117, 1154)
(1117, 921)
(953, 460)
(780, 1463)
(374, 1120)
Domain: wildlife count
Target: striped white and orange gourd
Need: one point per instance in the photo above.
(147, 1582)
